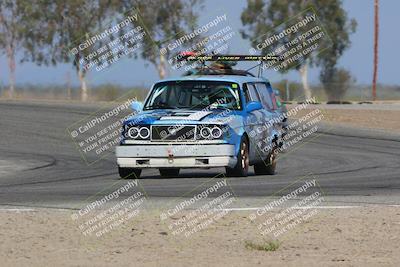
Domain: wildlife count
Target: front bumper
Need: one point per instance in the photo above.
(176, 156)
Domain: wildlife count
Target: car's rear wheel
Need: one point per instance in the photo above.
(241, 168)
(169, 172)
(129, 173)
(268, 166)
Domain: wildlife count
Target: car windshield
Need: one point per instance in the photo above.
(194, 95)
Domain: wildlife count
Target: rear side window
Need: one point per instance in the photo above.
(246, 93)
(266, 99)
(253, 93)
(273, 96)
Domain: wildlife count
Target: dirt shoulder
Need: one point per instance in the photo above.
(383, 117)
(368, 236)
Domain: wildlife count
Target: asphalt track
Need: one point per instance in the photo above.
(40, 167)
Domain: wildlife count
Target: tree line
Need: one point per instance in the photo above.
(43, 31)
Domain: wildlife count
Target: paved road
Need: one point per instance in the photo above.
(39, 166)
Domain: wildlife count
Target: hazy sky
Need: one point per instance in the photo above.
(358, 59)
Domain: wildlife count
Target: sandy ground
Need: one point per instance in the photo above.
(376, 119)
(368, 236)
(384, 117)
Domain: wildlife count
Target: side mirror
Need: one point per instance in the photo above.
(137, 106)
(253, 105)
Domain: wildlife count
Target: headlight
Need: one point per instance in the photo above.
(133, 132)
(138, 132)
(205, 132)
(211, 131)
(144, 132)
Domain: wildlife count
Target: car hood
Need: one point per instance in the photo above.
(182, 116)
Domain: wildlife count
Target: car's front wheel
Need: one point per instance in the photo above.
(169, 172)
(129, 173)
(241, 168)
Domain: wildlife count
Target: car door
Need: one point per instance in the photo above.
(270, 118)
(253, 123)
(279, 110)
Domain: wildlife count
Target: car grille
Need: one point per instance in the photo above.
(173, 132)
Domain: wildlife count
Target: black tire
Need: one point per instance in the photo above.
(169, 172)
(129, 173)
(241, 168)
(268, 166)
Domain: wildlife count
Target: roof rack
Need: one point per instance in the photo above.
(193, 56)
(219, 67)
(214, 71)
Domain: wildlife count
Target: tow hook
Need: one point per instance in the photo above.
(170, 156)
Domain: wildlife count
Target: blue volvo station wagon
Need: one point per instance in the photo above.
(203, 121)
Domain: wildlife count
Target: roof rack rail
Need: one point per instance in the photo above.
(223, 69)
(192, 56)
(214, 71)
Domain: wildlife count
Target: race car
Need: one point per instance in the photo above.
(203, 120)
